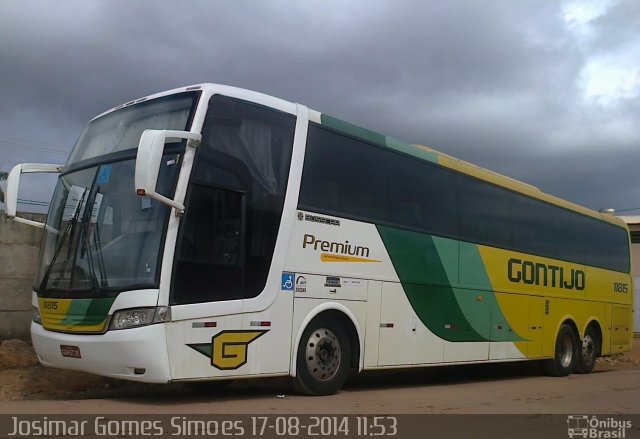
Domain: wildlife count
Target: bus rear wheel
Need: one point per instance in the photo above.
(588, 352)
(322, 360)
(565, 355)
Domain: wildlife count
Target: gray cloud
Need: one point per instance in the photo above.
(495, 83)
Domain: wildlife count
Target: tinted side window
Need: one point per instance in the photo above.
(343, 176)
(533, 226)
(607, 246)
(569, 229)
(558, 233)
(245, 150)
(421, 196)
(209, 260)
(347, 177)
(484, 212)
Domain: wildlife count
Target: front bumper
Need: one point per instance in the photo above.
(117, 354)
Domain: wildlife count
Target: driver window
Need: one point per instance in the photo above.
(209, 262)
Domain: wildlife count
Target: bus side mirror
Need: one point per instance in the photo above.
(148, 160)
(13, 184)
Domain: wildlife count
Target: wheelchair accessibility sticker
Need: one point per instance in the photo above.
(105, 174)
(287, 281)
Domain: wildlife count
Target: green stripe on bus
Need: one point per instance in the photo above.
(455, 305)
(97, 311)
(478, 302)
(406, 148)
(88, 312)
(377, 138)
(204, 348)
(425, 281)
(351, 129)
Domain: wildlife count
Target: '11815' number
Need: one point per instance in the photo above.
(619, 287)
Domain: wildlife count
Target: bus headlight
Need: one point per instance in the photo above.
(36, 317)
(135, 317)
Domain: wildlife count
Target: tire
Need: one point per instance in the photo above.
(566, 353)
(588, 352)
(322, 361)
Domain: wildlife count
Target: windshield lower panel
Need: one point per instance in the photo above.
(101, 238)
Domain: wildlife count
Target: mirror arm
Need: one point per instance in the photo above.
(148, 161)
(179, 207)
(13, 184)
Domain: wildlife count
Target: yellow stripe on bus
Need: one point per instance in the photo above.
(330, 257)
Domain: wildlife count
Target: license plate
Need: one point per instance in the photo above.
(70, 351)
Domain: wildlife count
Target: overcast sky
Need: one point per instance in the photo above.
(547, 92)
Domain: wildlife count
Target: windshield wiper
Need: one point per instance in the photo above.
(70, 227)
(96, 239)
(87, 245)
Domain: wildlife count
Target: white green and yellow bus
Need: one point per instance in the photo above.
(215, 233)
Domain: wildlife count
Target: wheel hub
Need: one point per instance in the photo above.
(588, 349)
(323, 354)
(566, 353)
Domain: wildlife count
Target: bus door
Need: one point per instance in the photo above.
(206, 296)
(229, 317)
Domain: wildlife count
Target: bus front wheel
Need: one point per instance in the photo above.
(565, 354)
(322, 360)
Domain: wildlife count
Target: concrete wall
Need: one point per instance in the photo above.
(19, 247)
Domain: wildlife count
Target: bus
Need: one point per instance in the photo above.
(214, 233)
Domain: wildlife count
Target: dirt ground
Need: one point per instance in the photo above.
(22, 378)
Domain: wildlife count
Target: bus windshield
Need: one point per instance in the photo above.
(100, 237)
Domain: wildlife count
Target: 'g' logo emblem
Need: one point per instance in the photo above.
(228, 349)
